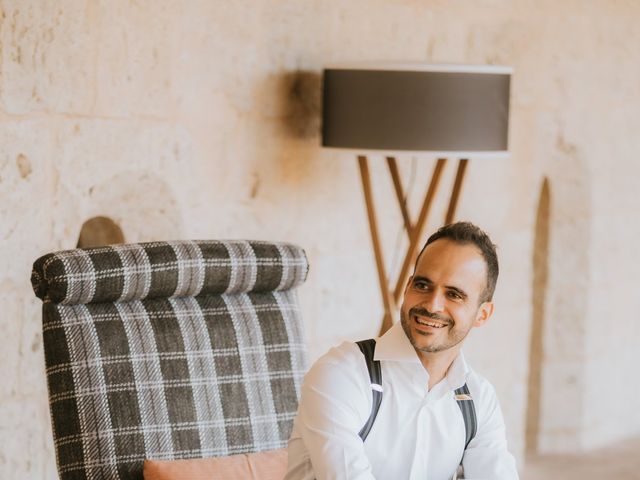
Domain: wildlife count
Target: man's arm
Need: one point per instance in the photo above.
(335, 403)
(487, 456)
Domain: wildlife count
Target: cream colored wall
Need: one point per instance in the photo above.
(184, 120)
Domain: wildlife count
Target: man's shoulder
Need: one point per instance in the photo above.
(342, 374)
(478, 380)
(479, 385)
(483, 393)
(344, 360)
(345, 352)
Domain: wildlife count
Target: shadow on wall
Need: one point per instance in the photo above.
(539, 289)
(556, 421)
(298, 97)
(301, 94)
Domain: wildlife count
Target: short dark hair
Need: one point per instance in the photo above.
(465, 233)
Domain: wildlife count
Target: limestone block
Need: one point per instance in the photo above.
(476, 199)
(134, 64)
(220, 55)
(570, 237)
(612, 389)
(31, 371)
(92, 150)
(128, 171)
(46, 57)
(11, 323)
(27, 445)
(95, 149)
(67, 217)
(142, 203)
(339, 315)
(562, 405)
(25, 189)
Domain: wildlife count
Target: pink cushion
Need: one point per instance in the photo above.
(269, 465)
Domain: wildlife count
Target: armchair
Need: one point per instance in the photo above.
(169, 350)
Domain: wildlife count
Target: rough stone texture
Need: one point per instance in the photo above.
(134, 44)
(46, 57)
(198, 119)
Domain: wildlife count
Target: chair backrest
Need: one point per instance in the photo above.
(169, 350)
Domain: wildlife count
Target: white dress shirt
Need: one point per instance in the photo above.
(418, 433)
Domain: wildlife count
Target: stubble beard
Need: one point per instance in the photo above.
(454, 337)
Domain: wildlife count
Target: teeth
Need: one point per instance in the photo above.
(430, 324)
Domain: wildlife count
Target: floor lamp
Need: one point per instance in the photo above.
(444, 111)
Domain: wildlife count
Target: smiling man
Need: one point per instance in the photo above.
(407, 406)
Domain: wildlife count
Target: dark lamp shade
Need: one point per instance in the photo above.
(419, 108)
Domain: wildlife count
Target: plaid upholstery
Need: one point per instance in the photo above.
(169, 350)
(120, 273)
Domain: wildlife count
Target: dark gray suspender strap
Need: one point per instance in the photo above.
(468, 409)
(368, 347)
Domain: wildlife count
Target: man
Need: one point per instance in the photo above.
(419, 431)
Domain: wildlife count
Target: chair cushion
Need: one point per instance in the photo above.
(171, 379)
(120, 273)
(269, 465)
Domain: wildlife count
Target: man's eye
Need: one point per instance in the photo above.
(455, 295)
(421, 285)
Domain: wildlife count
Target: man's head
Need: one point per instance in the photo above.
(451, 288)
(466, 233)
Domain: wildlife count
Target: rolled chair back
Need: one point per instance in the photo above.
(169, 350)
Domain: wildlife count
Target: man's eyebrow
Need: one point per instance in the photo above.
(422, 279)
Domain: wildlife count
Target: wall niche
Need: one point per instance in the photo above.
(98, 232)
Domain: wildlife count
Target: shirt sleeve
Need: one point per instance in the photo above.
(335, 403)
(487, 456)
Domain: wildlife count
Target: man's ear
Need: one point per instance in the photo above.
(484, 313)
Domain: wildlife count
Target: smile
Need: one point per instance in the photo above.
(429, 323)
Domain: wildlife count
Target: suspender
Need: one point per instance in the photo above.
(367, 347)
(468, 409)
(462, 395)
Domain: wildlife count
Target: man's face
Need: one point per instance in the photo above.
(442, 299)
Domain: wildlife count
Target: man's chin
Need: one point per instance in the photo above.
(424, 343)
(428, 348)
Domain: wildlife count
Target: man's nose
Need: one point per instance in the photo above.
(434, 302)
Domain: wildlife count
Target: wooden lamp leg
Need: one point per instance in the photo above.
(397, 186)
(387, 320)
(455, 194)
(392, 298)
(414, 240)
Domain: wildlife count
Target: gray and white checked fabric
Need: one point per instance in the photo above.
(120, 273)
(169, 350)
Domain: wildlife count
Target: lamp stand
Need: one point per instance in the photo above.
(391, 297)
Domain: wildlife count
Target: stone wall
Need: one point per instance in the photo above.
(198, 119)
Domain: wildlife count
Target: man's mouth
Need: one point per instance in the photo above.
(428, 322)
(425, 318)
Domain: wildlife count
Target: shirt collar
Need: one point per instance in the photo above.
(395, 346)
(458, 372)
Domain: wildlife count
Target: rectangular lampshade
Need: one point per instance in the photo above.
(426, 108)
